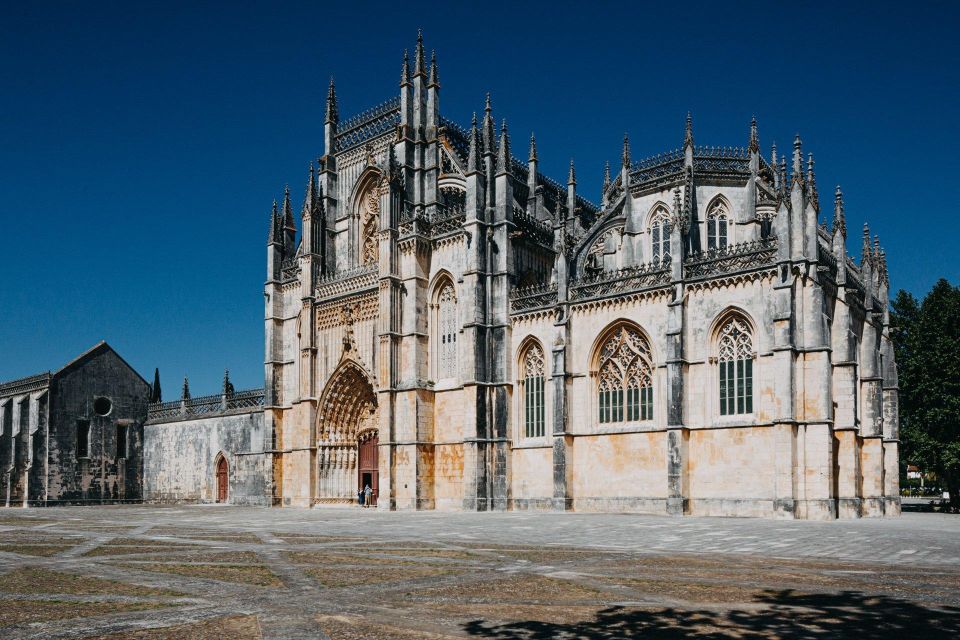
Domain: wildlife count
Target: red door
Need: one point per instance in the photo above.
(368, 470)
(222, 480)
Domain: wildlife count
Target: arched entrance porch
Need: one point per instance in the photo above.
(347, 436)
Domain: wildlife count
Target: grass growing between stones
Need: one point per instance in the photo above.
(257, 575)
(227, 627)
(37, 580)
(28, 611)
(360, 576)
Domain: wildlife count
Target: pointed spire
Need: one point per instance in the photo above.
(533, 148)
(865, 252)
(333, 115)
(504, 159)
(688, 132)
(773, 156)
(489, 134)
(754, 146)
(797, 160)
(311, 195)
(185, 393)
(274, 224)
(884, 274)
(288, 221)
(434, 71)
(405, 70)
(876, 247)
(473, 159)
(839, 217)
(606, 176)
(419, 66)
(156, 395)
(572, 176)
(812, 181)
(626, 152)
(227, 385)
(783, 174)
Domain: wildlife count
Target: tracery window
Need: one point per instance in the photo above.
(625, 370)
(533, 404)
(717, 225)
(735, 359)
(445, 347)
(660, 236)
(370, 219)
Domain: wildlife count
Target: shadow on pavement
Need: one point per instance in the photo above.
(785, 614)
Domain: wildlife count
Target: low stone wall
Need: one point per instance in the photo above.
(180, 459)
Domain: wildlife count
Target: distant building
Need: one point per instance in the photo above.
(459, 331)
(74, 436)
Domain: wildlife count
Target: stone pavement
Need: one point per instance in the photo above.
(228, 572)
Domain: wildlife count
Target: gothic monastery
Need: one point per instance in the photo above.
(448, 325)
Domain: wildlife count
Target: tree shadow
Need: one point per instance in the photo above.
(779, 614)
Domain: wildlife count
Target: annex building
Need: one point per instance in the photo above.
(447, 324)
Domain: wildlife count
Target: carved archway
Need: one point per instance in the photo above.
(346, 417)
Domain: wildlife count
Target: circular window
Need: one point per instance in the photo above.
(102, 406)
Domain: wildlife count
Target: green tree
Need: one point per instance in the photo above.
(926, 339)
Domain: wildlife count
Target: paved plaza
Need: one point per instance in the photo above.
(227, 572)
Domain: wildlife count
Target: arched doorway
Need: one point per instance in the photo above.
(347, 436)
(223, 480)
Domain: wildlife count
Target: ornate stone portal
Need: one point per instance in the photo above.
(347, 417)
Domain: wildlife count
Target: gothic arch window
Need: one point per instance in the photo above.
(367, 211)
(533, 370)
(717, 224)
(735, 361)
(660, 235)
(625, 377)
(445, 330)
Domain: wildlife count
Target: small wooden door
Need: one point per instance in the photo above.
(369, 469)
(222, 480)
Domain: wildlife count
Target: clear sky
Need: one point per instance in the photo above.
(141, 144)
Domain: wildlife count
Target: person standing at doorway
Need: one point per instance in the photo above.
(367, 494)
(360, 497)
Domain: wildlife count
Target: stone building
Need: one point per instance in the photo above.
(459, 331)
(74, 436)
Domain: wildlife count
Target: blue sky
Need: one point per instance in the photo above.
(141, 144)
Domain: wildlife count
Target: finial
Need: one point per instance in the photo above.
(754, 146)
(434, 71)
(227, 385)
(812, 180)
(884, 274)
(797, 160)
(156, 394)
(626, 152)
(839, 218)
(533, 148)
(489, 135)
(333, 114)
(865, 252)
(688, 131)
(572, 176)
(419, 67)
(606, 175)
(405, 69)
(773, 155)
(185, 393)
(876, 246)
(473, 157)
(504, 160)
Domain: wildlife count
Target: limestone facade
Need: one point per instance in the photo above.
(462, 332)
